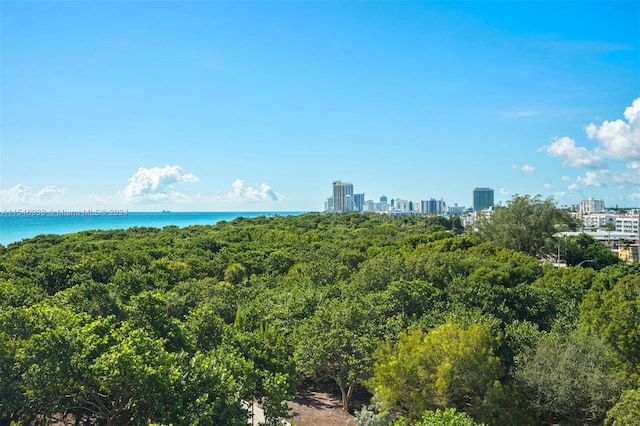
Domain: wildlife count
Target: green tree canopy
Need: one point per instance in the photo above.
(448, 417)
(337, 342)
(526, 224)
(570, 378)
(627, 411)
(449, 366)
(583, 249)
(615, 315)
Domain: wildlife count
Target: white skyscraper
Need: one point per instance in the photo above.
(342, 196)
(591, 206)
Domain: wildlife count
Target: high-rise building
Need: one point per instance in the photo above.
(328, 205)
(482, 199)
(432, 206)
(401, 205)
(342, 196)
(591, 206)
(383, 203)
(358, 202)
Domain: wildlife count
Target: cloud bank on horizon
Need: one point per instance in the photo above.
(617, 144)
(148, 186)
(21, 194)
(241, 193)
(156, 184)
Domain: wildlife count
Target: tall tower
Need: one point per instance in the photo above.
(591, 206)
(358, 202)
(482, 199)
(342, 196)
(383, 203)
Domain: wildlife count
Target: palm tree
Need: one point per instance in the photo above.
(609, 227)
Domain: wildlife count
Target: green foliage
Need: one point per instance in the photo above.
(448, 366)
(180, 326)
(272, 368)
(570, 378)
(337, 342)
(560, 292)
(209, 389)
(369, 416)
(583, 247)
(504, 404)
(627, 411)
(235, 273)
(448, 417)
(526, 224)
(203, 328)
(520, 337)
(615, 315)
(150, 311)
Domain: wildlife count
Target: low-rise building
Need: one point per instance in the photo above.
(628, 223)
(599, 220)
(629, 252)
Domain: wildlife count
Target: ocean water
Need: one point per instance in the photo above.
(21, 224)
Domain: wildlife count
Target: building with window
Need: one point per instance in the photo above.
(628, 223)
(482, 199)
(629, 252)
(598, 220)
(383, 203)
(591, 206)
(358, 202)
(432, 206)
(342, 196)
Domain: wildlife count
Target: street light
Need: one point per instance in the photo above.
(585, 261)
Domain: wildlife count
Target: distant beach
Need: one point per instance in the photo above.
(16, 225)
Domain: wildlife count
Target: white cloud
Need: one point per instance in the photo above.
(240, 193)
(504, 192)
(577, 156)
(604, 177)
(528, 169)
(548, 186)
(23, 194)
(617, 142)
(49, 192)
(592, 178)
(156, 185)
(619, 139)
(566, 179)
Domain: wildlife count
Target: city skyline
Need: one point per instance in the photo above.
(226, 106)
(482, 199)
(344, 199)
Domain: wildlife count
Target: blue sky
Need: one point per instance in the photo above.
(227, 106)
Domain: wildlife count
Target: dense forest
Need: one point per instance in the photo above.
(440, 325)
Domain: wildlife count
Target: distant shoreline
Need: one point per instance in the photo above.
(16, 225)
